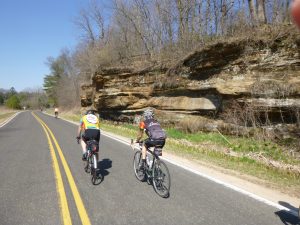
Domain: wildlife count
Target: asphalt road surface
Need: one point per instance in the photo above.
(33, 192)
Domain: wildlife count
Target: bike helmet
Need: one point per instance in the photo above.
(90, 111)
(148, 114)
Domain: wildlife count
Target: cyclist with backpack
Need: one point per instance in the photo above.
(156, 136)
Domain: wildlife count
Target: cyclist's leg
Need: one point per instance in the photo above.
(142, 162)
(98, 139)
(144, 150)
(147, 144)
(160, 143)
(94, 134)
(83, 145)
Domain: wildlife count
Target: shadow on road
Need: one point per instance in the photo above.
(104, 165)
(286, 217)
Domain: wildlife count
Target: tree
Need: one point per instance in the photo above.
(62, 85)
(261, 12)
(57, 69)
(50, 84)
(13, 102)
(12, 91)
(91, 23)
(2, 97)
(33, 98)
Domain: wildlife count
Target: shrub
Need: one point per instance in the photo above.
(13, 102)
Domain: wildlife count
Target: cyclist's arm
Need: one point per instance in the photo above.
(79, 131)
(79, 128)
(141, 131)
(140, 135)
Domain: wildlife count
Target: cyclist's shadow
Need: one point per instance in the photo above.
(104, 165)
(285, 217)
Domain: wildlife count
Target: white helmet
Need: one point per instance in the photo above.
(148, 113)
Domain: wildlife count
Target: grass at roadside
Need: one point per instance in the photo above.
(212, 149)
(5, 113)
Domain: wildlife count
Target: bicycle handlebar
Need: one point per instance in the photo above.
(140, 146)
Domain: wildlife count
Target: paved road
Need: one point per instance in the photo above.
(29, 193)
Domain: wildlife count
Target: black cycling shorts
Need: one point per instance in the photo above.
(91, 134)
(152, 143)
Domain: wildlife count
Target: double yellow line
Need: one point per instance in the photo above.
(65, 213)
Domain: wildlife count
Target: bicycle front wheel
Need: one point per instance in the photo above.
(137, 160)
(161, 179)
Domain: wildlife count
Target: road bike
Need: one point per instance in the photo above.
(92, 149)
(155, 171)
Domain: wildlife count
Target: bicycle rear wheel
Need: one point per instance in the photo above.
(137, 160)
(161, 179)
(87, 168)
(95, 172)
(96, 177)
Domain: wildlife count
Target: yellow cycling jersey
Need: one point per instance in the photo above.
(90, 121)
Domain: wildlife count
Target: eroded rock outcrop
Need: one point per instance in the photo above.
(261, 75)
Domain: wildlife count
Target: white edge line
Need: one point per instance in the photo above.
(9, 119)
(235, 188)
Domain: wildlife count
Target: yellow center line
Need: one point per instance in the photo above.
(65, 213)
(79, 203)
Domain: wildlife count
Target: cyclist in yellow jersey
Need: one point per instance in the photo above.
(89, 128)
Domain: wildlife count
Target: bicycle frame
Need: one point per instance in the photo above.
(92, 151)
(155, 158)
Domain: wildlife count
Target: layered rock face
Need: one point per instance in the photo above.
(218, 81)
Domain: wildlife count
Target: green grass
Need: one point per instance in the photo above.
(196, 137)
(244, 165)
(75, 118)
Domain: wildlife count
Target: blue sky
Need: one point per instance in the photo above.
(31, 31)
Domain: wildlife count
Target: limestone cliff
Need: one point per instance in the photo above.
(261, 76)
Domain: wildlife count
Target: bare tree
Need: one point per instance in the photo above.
(261, 12)
(252, 12)
(91, 22)
(85, 24)
(129, 16)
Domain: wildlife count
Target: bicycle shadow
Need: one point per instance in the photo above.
(286, 217)
(103, 166)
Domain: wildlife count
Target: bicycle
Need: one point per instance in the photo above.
(91, 167)
(56, 115)
(156, 171)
